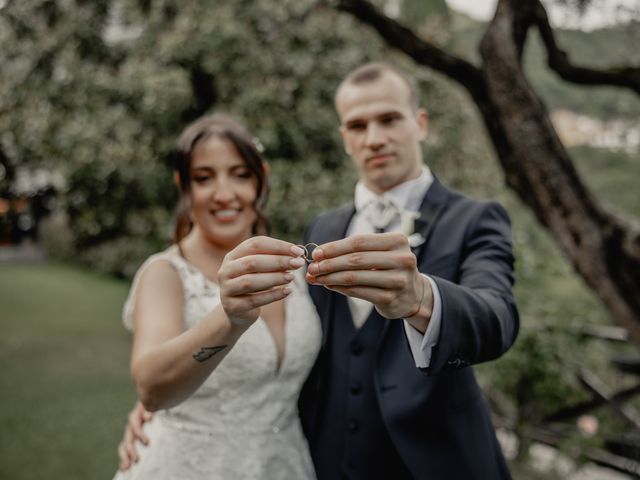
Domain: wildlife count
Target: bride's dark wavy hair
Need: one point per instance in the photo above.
(227, 128)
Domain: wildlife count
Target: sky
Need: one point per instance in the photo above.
(602, 13)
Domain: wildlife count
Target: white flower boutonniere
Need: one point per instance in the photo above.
(408, 221)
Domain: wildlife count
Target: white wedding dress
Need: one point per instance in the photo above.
(242, 423)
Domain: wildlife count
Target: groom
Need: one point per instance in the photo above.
(392, 394)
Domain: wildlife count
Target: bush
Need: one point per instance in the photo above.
(120, 257)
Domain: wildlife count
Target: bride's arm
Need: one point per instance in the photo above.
(169, 364)
(163, 366)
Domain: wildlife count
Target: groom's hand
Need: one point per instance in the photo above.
(379, 268)
(133, 433)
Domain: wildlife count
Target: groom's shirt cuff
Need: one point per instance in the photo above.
(419, 344)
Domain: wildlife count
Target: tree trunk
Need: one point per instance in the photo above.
(603, 247)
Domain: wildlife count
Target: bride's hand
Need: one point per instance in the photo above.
(255, 273)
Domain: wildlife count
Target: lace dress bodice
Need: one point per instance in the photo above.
(243, 420)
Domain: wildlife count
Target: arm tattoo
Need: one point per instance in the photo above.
(206, 353)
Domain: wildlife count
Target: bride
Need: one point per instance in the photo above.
(224, 331)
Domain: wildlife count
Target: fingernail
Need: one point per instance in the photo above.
(313, 269)
(288, 276)
(286, 290)
(296, 250)
(317, 254)
(297, 262)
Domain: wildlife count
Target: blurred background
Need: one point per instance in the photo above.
(92, 97)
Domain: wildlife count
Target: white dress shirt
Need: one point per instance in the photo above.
(408, 197)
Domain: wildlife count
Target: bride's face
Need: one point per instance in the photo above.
(223, 191)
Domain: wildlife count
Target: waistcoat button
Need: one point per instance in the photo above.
(352, 426)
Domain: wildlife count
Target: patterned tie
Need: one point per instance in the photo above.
(381, 212)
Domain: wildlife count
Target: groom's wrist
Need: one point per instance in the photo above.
(420, 319)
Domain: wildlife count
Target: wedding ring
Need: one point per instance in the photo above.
(308, 251)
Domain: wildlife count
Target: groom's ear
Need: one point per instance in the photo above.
(176, 179)
(343, 132)
(422, 119)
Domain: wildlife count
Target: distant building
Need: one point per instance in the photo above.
(575, 130)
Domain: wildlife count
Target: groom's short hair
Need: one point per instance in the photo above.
(370, 72)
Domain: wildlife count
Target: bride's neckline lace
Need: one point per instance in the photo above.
(191, 267)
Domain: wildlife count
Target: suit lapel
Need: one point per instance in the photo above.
(337, 228)
(432, 207)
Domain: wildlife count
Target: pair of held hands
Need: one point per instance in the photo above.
(379, 268)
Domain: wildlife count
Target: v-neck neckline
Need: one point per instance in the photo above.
(279, 362)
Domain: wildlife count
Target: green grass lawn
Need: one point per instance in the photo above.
(65, 387)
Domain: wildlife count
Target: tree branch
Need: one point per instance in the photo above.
(402, 38)
(596, 455)
(573, 411)
(558, 60)
(600, 389)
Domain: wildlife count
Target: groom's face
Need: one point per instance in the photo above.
(382, 130)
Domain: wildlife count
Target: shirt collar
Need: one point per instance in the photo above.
(407, 195)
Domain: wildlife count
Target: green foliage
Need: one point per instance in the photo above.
(107, 118)
(538, 375)
(428, 16)
(612, 174)
(300, 194)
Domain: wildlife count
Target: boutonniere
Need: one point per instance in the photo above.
(408, 221)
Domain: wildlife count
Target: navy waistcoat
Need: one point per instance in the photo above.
(353, 442)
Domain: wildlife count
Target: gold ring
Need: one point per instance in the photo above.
(306, 255)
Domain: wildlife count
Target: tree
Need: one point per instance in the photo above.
(99, 91)
(603, 245)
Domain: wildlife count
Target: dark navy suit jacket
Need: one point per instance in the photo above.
(436, 417)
